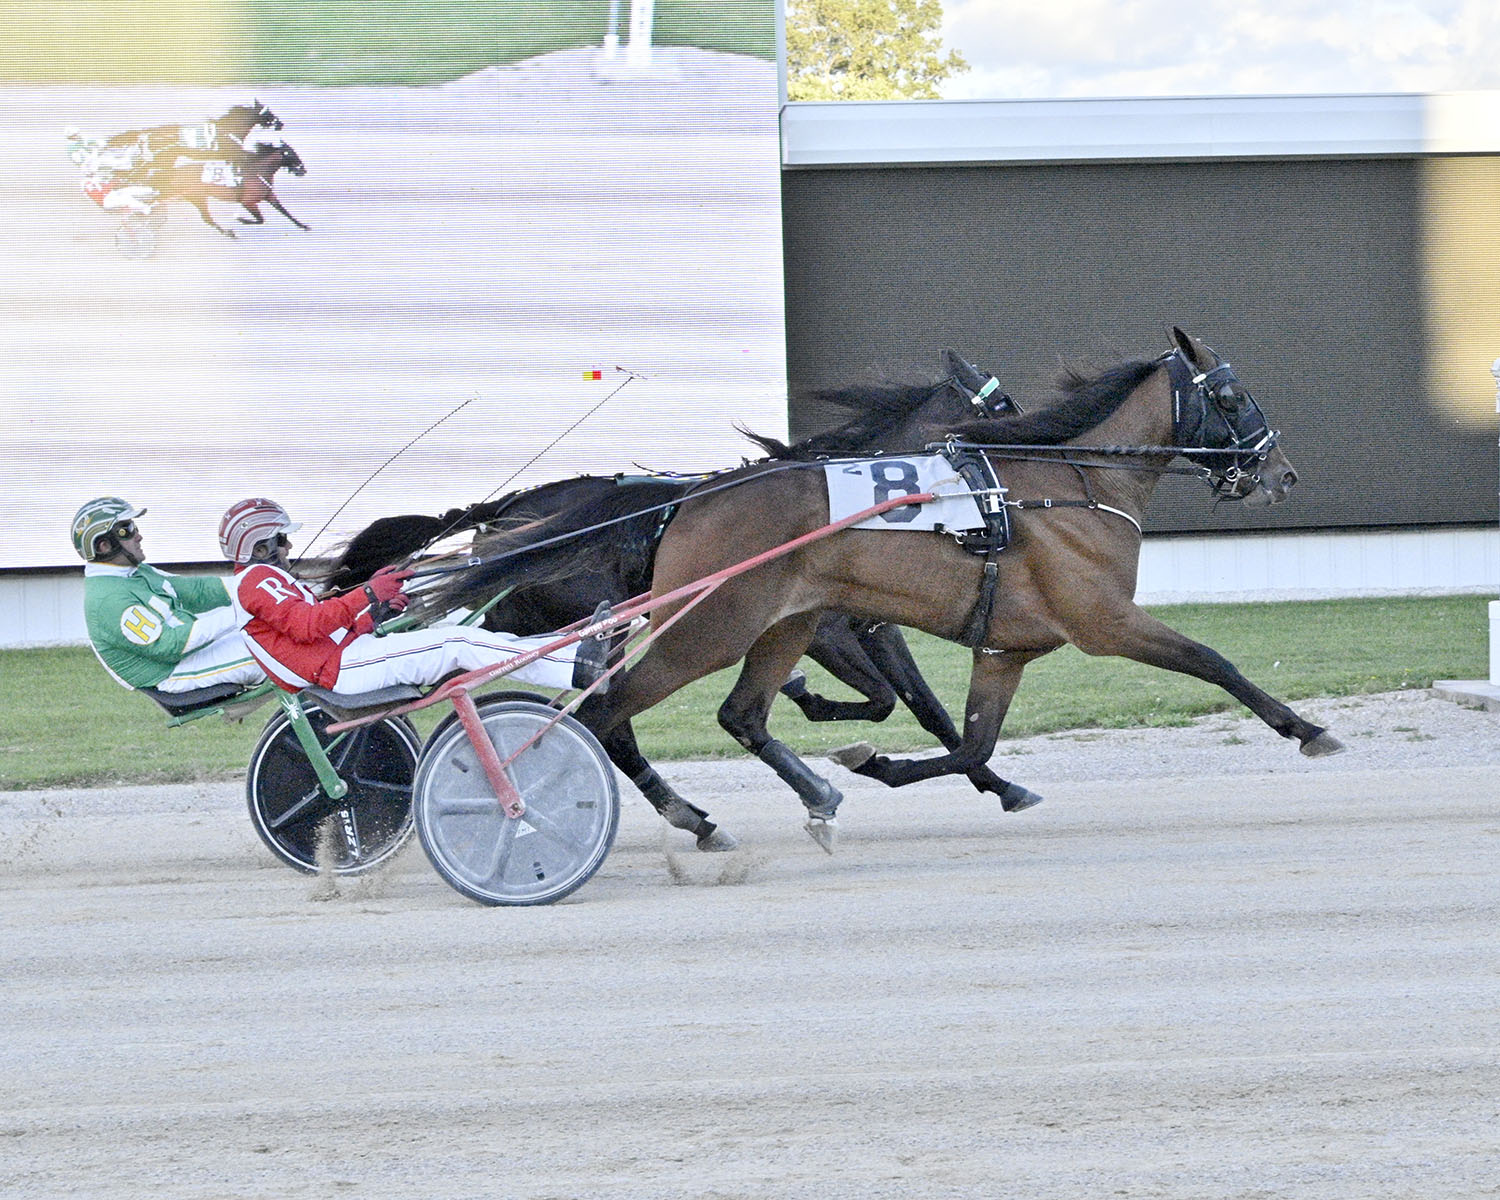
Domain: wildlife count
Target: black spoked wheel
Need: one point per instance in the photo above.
(566, 783)
(305, 827)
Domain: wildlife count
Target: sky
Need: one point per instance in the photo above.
(1047, 49)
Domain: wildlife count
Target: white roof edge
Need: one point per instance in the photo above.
(927, 132)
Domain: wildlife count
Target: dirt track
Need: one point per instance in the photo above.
(1250, 975)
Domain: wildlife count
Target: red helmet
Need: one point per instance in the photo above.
(249, 523)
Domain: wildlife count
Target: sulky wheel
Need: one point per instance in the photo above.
(136, 237)
(566, 783)
(508, 694)
(291, 811)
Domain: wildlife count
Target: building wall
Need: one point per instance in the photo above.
(1310, 276)
(1338, 250)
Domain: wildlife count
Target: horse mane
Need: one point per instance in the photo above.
(877, 408)
(388, 540)
(1081, 402)
(510, 553)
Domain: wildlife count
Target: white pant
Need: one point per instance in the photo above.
(424, 656)
(136, 199)
(223, 661)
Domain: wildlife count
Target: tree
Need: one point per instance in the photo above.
(866, 50)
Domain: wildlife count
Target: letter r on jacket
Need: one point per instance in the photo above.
(277, 590)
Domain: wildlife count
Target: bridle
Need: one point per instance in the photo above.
(989, 401)
(281, 157)
(1217, 425)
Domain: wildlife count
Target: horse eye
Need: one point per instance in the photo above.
(1229, 399)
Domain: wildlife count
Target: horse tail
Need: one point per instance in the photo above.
(619, 525)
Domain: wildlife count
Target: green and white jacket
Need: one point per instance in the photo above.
(142, 621)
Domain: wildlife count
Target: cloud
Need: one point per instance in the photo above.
(1019, 48)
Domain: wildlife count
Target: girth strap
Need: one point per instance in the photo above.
(978, 472)
(978, 623)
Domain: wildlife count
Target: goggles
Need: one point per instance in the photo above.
(124, 531)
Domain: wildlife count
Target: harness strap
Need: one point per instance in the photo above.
(978, 622)
(1119, 512)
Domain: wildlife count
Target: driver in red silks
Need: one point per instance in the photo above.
(303, 641)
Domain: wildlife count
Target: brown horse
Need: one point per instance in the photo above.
(609, 529)
(1079, 474)
(247, 183)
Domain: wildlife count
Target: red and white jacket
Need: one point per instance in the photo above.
(296, 637)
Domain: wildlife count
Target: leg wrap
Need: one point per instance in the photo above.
(819, 796)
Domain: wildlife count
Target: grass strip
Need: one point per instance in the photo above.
(63, 722)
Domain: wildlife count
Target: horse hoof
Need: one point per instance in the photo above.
(1017, 798)
(853, 756)
(824, 831)
(717, 841)
(1325, 743)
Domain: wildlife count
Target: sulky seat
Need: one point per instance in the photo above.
(179, 704)
(344, 705)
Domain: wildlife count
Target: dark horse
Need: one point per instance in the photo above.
(870, 656)
(219, 138)
(248, 184)
(1069, 574)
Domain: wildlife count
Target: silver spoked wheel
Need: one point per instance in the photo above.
(306, 828)
(566, 783)
(136, 236)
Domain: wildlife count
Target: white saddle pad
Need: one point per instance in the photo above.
(855, 484)
(221, 174)
(199, 137)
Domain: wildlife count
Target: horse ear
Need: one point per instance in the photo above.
(966, 373)
(1188, 345)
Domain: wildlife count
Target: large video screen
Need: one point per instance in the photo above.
(517, 242)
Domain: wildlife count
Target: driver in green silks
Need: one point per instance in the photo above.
(174, 633)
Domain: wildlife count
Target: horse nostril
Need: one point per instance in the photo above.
(1288, 478)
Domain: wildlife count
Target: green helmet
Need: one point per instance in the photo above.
(95, 519)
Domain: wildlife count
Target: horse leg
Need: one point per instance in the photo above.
(1141, 637)
(838, 649)
(891, 656)
(888, 652)
(201, 204)
(744, 711)
(620, 744)
(991, 686)
(666, 666)
(255, 217)
(277, 205)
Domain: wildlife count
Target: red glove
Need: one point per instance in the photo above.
(398, 602)
(385, 585)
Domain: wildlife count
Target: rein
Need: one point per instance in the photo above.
(980, 400)
(1180, 373)
(558, 539)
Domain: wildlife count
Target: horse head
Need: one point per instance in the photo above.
(262, 115)
(282, 155)
(1218, 425)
